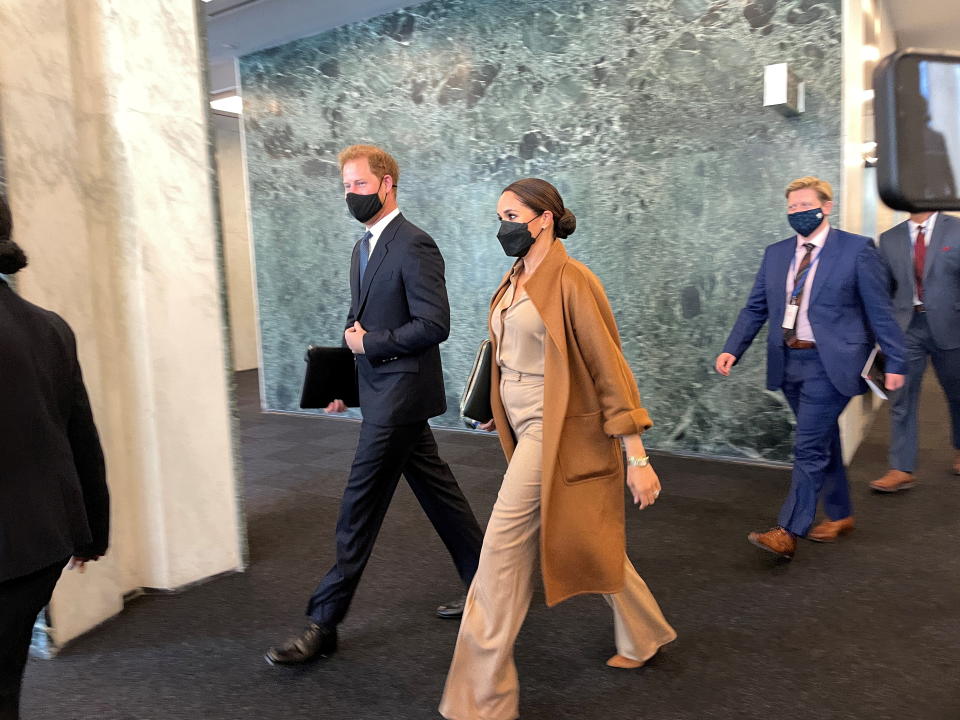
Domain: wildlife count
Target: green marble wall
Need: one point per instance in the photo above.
(647, 114)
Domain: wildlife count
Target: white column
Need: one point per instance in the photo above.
(105, 135)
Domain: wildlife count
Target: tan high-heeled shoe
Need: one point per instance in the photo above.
(624, 663)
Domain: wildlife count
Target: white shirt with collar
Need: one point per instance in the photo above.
(819, 238)
(927, 233)
(378, 227)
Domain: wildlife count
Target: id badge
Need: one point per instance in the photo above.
(790, 316)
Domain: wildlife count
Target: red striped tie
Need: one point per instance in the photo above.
(798, 281)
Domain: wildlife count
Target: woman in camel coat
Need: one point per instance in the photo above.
(564, 399)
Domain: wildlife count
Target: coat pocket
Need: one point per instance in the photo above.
(404, 364)
(586, 451)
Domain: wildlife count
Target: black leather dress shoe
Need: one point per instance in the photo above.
(316, 641)
(452, 609)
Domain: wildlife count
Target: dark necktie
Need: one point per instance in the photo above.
(799, 280)
(364, 253)
(919, 260)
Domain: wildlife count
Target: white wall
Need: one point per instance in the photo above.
(236, 242)
(864, 22)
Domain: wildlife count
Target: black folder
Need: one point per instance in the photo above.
(875, 375)
(331, 375)
(475, 402)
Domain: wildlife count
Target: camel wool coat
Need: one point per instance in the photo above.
(590, 400)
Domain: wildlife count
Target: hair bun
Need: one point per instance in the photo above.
(566, 225)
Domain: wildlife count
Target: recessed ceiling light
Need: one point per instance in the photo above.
(232, 104)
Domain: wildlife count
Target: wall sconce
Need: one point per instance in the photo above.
(783, 91)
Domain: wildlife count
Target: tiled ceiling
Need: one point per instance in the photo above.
(218, 7)
(238, 27)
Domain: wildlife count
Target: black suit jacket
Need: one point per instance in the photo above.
(403, 306)
(53, 492)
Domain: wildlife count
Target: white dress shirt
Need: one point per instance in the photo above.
(914, 231)
(819, 238)
(378, 227)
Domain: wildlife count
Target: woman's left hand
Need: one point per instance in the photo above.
(644, 485)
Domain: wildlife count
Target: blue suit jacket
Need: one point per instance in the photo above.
(849, 311)
(941, 278)
(402, 304)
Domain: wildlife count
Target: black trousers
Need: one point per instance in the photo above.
(383, 454)
(21, 600)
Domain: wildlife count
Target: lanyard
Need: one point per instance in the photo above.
(801, 281)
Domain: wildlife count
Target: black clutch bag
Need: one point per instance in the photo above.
(475, 402)
(331, 375)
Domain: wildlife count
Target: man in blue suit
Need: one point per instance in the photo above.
(922, 256)
(399, 315)
(825, 290)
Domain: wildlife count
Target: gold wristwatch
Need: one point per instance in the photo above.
(638, 461)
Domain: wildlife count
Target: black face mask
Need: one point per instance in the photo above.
(515, 237)
(364, 207)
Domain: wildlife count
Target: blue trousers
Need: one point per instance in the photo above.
(905, 402)
(818, 459)
(383, 455)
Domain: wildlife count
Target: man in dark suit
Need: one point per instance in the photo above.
(922, 256)
(826, 291)
(54, 505)
(398, 317)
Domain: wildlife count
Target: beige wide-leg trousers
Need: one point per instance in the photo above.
(482, 682)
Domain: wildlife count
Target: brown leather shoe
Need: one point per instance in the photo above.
(830, 530)
(894, 481)
(776, 540)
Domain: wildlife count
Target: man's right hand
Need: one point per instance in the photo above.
(725, 361)
(337, 406)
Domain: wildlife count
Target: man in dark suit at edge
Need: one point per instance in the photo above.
(399, 315)
(54, 504)
(922, 256)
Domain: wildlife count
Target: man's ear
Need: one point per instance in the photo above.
(828, 207)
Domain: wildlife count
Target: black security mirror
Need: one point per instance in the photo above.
(917, 103)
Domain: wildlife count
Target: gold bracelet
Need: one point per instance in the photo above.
(638, 462)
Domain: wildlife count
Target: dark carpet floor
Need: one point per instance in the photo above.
(867, 628)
